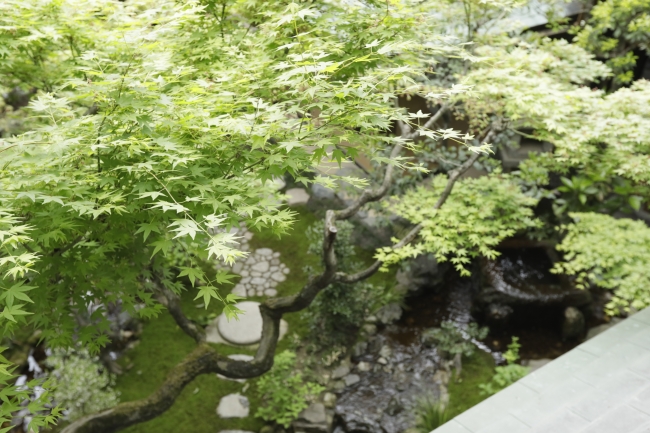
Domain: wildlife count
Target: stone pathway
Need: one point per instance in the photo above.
(261, 271)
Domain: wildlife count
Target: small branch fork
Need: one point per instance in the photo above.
(205, 359)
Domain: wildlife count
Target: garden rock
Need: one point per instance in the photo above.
(242, 331)
(535, 364)
(497, 314)
(351, 379)
(340, 371)
(501, 289)
(297, 196)
(359, 349)
(574, 324)
(312, 420)
(329, 399)
(233, 406)
(395, 406)
(421, 272)
(314, 414)
(389, 313)
(322, 198)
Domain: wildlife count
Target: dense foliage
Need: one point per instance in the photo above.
(618, 30)
(475, 219)
(621, 266)
(135, 134)
(82, 384)
(284, 391)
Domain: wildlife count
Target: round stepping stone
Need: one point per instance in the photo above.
(246, 329)
(296, 196)
(233, 406)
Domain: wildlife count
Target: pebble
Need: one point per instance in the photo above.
(278, 276)
(262, 266)
(351, 379)
(364, 366)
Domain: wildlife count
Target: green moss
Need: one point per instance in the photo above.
(477, 369)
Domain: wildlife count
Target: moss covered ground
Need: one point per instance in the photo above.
(477, 369)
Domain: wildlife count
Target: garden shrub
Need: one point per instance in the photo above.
(506, 375)
(81, 383)
(284, 391)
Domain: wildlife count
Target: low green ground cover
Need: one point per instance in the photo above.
(477, 369)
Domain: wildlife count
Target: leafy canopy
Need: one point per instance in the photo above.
(610, 253)
(476, 217)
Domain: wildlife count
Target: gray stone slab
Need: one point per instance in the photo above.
(492, 410)
(246, 329)
(538, 409)
(620, 357)
(452, 427)
(564, 421)
(508, 424)
(622, 419)
(641, 366)
(558, 371)
(642, 316)
(642, 429)
(641, 401)
(641, 337)
(618, 389)
(602, 386)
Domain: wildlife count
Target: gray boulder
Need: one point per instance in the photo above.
(322, 198)
(574, 324)
(419, 273)
(389, 313)
(314, 419)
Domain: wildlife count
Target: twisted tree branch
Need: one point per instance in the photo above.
(173, 304)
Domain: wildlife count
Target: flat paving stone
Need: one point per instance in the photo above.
(233, 406)
(246, 329)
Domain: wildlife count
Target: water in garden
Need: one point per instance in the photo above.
(395, 368)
